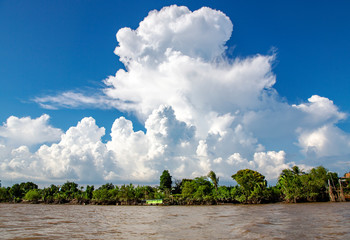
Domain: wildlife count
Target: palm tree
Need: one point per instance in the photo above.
(214, 179)
(291, 184)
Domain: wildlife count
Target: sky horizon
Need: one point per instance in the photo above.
(119, 91)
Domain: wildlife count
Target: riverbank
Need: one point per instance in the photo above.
(318, 185)
(165, 202)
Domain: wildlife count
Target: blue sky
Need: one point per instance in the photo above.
(48, 48)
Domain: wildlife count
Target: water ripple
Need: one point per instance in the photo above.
(270, 221)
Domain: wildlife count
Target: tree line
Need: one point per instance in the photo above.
(293, 186)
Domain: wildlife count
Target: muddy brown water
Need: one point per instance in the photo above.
(270, 221)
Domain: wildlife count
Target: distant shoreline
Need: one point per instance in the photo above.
(198, 203)
(294, 186)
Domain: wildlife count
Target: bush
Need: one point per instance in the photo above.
(32, 195)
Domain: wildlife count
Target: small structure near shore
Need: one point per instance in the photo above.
(337, 195)
(154, 201)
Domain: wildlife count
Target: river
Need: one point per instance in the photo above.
(269, 221)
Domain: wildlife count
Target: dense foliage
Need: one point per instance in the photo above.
(252, 185)
(299, 186)
(293, 185)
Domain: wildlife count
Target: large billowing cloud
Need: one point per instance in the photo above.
(202, 111)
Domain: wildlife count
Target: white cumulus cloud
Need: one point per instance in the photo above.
(27, 131)
(201, 110)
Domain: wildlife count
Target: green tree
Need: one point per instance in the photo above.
(69, 187)
(252, 184)
(4, 194)
(106, 194)
(126, 193)
(145, 192)
(102, 196)
(165, 181)
(197, 189)
(48, 194)
(223, 194)
(107, 186)
(188, 188)
(28, 186)
(16, 192)
(69, 190)
(291, 185)
(236, 194)
(214, 179)
(89, 191)
(139, 193)
(33, 195)
(315, 184)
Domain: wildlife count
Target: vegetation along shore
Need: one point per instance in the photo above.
(293, 186)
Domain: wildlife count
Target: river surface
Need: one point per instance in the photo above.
(270, 221)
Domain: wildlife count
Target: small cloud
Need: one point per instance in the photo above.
(75, 100)
(27, 131)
